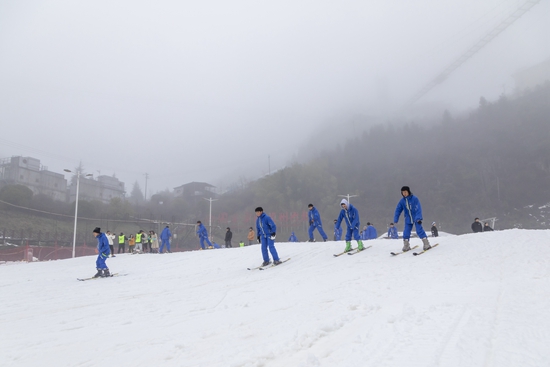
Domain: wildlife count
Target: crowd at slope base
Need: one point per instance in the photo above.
(266, 231)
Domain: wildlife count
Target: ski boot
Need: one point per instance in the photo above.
(348, 246)
(360, 247)
(98, 274)
(426, 244)
(277, 262)
(106, 273)
(266, 263)
(406, 246)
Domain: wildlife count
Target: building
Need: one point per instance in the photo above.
(193, 190)
(29, 172)
(104, 188)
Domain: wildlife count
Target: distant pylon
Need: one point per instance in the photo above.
(475, 48)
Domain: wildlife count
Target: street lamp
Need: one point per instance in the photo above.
(348, 196)
(76, 205)
(210, 219)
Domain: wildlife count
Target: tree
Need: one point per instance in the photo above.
(16, 194)
(136, 196)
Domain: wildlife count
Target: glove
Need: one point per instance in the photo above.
(272, 236)
(419, 221)
(310, 222)
(259, 240)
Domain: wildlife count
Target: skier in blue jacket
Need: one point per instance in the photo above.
(203, 235)
(267, 230)
(337, 232)
(371, 232)
(412, 209)
(103, 251)
(351, 216)
(165, 236)
(315, 222)
(392, 232)
(293, 238)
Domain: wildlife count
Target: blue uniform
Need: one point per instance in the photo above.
(351, 217)
(292, 238)
(203, 235)
(392, 233)
(371, 233)
(412, 209)
(266, 228)
(103, 251)
(315, 222)
(337, 233)
(165, 239)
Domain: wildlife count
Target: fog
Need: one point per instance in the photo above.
(219, 91)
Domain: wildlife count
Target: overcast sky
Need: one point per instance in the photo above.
(208, 90)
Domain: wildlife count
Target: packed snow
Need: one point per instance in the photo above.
(475, 300)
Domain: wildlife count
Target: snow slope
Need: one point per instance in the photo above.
(475, 300)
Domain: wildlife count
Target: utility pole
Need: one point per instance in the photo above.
(348, 196)
(146, 177)
(210, 217)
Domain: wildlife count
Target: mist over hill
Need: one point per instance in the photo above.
(491, 162)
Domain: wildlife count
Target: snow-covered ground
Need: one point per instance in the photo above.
(475, 300)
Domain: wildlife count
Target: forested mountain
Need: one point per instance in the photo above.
(491, 163)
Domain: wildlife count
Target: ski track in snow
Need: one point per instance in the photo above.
(475, 300)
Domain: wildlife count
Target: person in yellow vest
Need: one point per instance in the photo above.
(131, 243)
(146, 241)
(241, 244)
(121, 242)
(139, 239)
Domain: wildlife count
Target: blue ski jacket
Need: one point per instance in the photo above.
(314, 217)
(201, 231)
(371, 233)
(293, 238)
(351, 216)
(165, 234)
(265, 226)
(103, 244)
(412, 210)
(392, 232)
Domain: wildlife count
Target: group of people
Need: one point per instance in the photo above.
(476, 226)
(409, 205)
(139, 243)
(266, 230)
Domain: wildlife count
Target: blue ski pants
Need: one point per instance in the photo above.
(319, 228)
(408, 229)
(354, 232)
(100, 262)
(207, 241)
(166, 242)
(268, 243)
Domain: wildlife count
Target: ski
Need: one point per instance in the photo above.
(341, 253)
(402, 252)
(421, 252)
(258, 267)
(273, 265)
(358, 251)
(92, 278)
